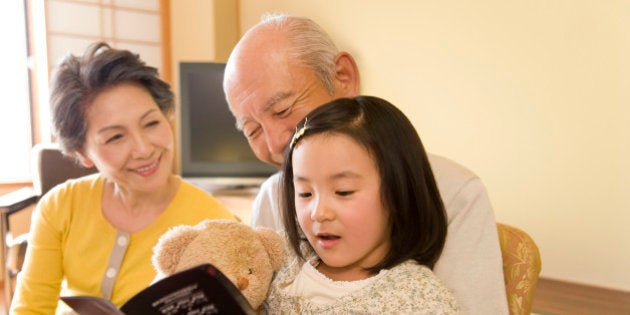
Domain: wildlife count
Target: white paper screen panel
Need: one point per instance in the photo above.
(72, 25)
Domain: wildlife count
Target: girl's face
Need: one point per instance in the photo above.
(338, 205)
(128, 139)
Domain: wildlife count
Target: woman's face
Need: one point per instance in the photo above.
(128, 138)
(338, 205)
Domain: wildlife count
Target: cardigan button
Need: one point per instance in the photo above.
(111, 272)
(122, 241)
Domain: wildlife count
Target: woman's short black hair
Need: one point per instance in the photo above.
(409, 192)
(78, 79)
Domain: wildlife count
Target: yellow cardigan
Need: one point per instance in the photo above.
(71, 241)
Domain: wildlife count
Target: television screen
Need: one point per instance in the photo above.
(213, 152)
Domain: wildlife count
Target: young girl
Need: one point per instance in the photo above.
(358, 186)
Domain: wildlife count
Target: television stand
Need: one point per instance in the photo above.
(236, 194)
(236, 190)
(227, 185)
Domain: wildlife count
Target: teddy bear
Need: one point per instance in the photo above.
(247, 256)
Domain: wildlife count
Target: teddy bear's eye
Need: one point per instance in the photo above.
(250, 271)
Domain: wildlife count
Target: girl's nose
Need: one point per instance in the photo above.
(322, 212)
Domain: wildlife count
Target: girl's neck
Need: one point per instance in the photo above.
(347, 273)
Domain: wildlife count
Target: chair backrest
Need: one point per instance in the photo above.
(50, 167)
(521, 267)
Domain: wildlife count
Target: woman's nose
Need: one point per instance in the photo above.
(142, 146)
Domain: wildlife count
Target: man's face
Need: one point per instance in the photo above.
(268, 95)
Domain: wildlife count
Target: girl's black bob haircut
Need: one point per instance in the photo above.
(409, 192)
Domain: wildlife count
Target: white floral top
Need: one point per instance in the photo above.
(409, 288)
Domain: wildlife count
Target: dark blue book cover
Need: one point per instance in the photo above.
(196, 291)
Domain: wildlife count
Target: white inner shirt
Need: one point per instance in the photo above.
(319, 289)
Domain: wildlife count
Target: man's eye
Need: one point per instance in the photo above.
(250, 133)
(283, 112)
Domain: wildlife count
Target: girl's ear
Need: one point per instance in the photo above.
(347, 81)
(85, 161)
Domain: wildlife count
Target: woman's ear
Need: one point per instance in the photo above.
(347, 81)
(85, 161)
(170, 116)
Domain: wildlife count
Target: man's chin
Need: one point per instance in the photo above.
(277, 162)
(273, 161)
(278, 165)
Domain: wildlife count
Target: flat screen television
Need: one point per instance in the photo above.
(214, 154)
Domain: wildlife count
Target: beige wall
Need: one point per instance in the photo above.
(192, 33)
(531, 95)
(202, 30)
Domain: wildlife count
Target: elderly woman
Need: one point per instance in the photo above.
(94, 235)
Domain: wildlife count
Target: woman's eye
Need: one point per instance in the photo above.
(152, 123)
(113, 138)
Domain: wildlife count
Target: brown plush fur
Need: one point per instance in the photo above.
(247, 256)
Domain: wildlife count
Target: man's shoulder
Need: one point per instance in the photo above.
(443, 166)
(452, 178)
(266, 205)
(270, 188)
(272, 182)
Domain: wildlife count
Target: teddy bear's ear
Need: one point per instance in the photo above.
(170, 246)
(273, 244)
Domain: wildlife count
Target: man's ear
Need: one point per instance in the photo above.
(347, 81)
(85, 161)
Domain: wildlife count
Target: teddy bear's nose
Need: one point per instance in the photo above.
(242, 283)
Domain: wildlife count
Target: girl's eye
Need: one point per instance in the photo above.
(345, 193)
(304, 194)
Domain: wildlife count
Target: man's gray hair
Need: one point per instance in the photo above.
(310, 44)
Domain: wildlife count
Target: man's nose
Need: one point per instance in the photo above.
(277, 140)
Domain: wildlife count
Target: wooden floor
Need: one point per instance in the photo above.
(553, 298)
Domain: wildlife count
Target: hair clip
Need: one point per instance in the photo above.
(298, 133)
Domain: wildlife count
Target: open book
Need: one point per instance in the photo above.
(198, 290)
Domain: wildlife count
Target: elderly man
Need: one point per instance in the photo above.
(286, 66)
